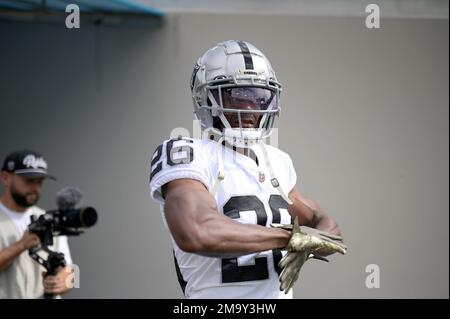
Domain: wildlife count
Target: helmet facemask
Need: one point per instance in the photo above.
(245, 107)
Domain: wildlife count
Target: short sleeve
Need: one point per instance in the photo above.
(176, 159)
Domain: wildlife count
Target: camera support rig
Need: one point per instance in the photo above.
(57, 223)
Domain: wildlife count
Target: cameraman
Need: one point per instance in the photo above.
(22, 174)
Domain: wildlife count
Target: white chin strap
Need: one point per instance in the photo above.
(273, 178)
(221, 171)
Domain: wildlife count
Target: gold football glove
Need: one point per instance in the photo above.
(305, 243)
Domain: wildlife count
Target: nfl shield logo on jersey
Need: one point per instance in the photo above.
(262, 177)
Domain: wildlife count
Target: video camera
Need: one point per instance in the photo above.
(57, 222)
(69, 219)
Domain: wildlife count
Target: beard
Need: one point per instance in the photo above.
(22, 200)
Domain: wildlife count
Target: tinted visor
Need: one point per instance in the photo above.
(247, 98)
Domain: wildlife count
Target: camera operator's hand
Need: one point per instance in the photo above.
(10, 253)
(60, 283)
(29, 240)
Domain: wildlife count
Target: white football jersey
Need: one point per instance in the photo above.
(246, 195)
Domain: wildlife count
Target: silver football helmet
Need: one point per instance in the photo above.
(235, 93)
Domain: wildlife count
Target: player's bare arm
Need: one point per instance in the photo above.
(310, 214)
(198, 227)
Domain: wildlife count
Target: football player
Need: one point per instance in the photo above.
(229, 199)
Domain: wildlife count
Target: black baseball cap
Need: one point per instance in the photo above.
(27, 163)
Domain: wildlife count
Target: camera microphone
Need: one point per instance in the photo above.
(69, 197)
